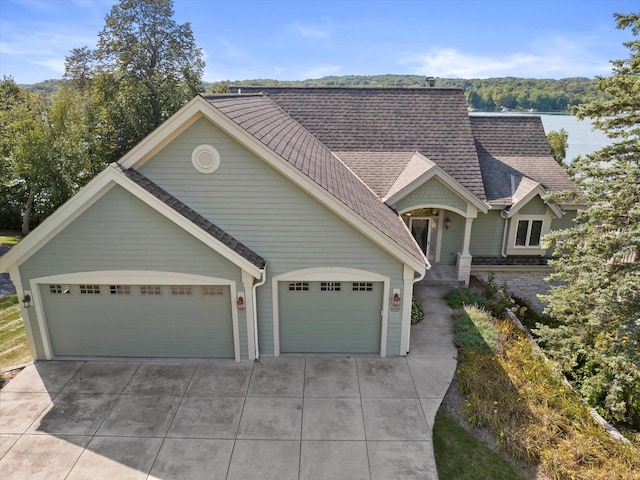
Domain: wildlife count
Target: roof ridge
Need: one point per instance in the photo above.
(396, 89)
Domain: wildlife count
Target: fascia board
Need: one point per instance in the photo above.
(186, 224)
(308, 185)
(539, 190)
(449, 182)
(58, 220)
(162, 135)
(89, 195)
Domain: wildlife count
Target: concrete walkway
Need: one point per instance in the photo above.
(284, 418)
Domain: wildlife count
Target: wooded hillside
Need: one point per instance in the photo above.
(491, 94)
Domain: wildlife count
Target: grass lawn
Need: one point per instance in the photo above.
(461, 456)
(13, 341)
(9, 237)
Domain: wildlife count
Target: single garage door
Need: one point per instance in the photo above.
(330, 317)
(139, 320)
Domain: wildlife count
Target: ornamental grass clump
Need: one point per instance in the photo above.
(512, 392)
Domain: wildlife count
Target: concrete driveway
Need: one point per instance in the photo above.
(281, 418)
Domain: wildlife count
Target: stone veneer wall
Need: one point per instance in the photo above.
(521, 283)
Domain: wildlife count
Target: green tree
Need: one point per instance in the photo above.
(598, 301)
(42, 157)
(558, 143)
(145, 67)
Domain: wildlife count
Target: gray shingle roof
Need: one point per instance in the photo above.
(433, 121)
(275, 128)
(515, 146)
(379, 170)
(191, 215)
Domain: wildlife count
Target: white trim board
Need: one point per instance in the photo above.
(92, 192)
(338, 274)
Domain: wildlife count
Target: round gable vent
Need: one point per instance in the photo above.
(205, 158)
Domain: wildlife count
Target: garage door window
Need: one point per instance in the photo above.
(208, 291)
(181, 290)
(362, 287)
(330, 286)
(150, 290)
(120, 289)
(299, 287)
(90, 289)
(58, 289)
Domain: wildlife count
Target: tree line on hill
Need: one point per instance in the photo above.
(488, 95)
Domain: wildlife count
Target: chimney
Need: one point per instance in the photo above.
(431, 82)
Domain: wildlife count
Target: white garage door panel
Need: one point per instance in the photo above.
(139, 325)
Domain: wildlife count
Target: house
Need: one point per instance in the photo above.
(287, 220)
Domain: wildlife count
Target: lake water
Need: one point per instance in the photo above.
(582, 138)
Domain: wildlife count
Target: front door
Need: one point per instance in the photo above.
(424, 231)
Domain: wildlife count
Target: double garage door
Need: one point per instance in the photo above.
(139, 320)
(330, 317)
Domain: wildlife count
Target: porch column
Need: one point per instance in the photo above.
(467, 236)
(464, 258)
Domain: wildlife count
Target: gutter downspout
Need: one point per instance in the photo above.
(503, 251)
(255, 307)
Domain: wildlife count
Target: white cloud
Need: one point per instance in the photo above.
(228, 50)
(551, 57)
(55, 65)
(320, 71)
(309, 31)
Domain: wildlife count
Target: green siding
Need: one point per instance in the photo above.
(535, 206)
(433, 192)
(133, 325)
(265, 211)
(486, 234)
(119, 232)
(567, 221)
(344, 322)
(452, 239)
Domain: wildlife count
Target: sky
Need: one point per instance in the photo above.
(301, 39)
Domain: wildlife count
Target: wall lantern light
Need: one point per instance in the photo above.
(396, 298)
(240, 301)
(26, 301)
(447, 223)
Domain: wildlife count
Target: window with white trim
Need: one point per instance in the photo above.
(298, 286)
(150, 290)
(528, 233)
(181, 290)
(362, 287)
(210, 291)
(330, 286)
(58, 289)
(90, 289)
(120, 289)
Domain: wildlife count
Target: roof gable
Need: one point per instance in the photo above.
(525, 190)
(152, 195)
(267, 131)
(514, 147)
(419, 170)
